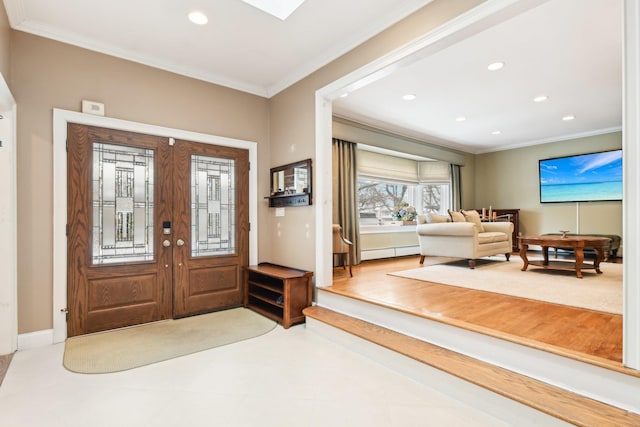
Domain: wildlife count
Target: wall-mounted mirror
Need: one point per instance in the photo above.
(291, 185)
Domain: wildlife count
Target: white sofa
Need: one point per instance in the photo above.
(464, 239)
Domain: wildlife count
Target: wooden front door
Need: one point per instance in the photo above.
(211, 212)
(149, 234)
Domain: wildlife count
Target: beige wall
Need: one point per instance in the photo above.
(5, 31)
(48, 74)
(509, 179)
(293, 122)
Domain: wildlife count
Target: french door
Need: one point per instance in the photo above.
(157, 228)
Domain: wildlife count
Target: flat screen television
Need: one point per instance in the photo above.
(581, 178)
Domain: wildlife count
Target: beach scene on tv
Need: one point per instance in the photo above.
(582, 178)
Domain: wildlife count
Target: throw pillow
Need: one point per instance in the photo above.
(435, 218)
(474, 217)
(456, 216)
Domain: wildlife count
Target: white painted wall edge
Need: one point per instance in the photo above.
(60, 120)
(8, 222)
(631, 183)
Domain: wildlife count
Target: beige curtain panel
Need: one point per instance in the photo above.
(345, 192)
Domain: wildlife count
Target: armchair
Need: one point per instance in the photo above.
(342, 247)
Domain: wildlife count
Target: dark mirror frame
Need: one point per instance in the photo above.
(298, 193)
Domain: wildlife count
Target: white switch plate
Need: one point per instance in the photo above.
(279, 211)
(92, 107)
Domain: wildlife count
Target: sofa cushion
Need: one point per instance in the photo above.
(491, 237)
(474, 217)
(433, 218)
(456, 216)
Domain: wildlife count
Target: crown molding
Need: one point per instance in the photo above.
(15, 12)
(38, 29)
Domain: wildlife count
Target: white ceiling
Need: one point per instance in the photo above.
(569, 50)
(241, 47)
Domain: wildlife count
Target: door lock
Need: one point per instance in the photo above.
(166, 227)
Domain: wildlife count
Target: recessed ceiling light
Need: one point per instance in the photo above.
(461, 119)
(279, 8)
(495, 66)
(567, 118)
(540, 98)
(198, 18)
(496, 132)
(409, 97)
(344, 95)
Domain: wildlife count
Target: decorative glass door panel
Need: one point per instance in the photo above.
(123, 187)
(157, 228)
(211, 226)
(119, 269)
(212, 206)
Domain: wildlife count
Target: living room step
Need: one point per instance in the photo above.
(545, 398)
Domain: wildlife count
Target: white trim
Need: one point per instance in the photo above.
(15, 12)
(597, 132)
(60, 120)
(485, 14)
(8, 223)
(631, 183)
(35, 339)
(323, 189)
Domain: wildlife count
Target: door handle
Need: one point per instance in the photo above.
(166, 243)
(180, 242)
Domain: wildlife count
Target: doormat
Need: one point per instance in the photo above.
(136, 346)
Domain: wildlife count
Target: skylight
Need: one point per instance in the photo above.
(279, 8)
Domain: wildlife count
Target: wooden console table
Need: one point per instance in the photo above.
(577, 243)
(277, 292)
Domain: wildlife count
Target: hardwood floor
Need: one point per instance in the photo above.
(591, 336)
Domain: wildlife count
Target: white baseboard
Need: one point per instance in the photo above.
(35, 339)
(368, 254)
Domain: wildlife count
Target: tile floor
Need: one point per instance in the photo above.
(285, 378)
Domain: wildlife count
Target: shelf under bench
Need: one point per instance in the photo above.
(278, 292)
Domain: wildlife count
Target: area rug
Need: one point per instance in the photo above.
(600, 292)
(137, 346)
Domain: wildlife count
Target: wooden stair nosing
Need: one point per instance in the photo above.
(552, 400)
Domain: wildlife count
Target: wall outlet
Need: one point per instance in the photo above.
(279, 211)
